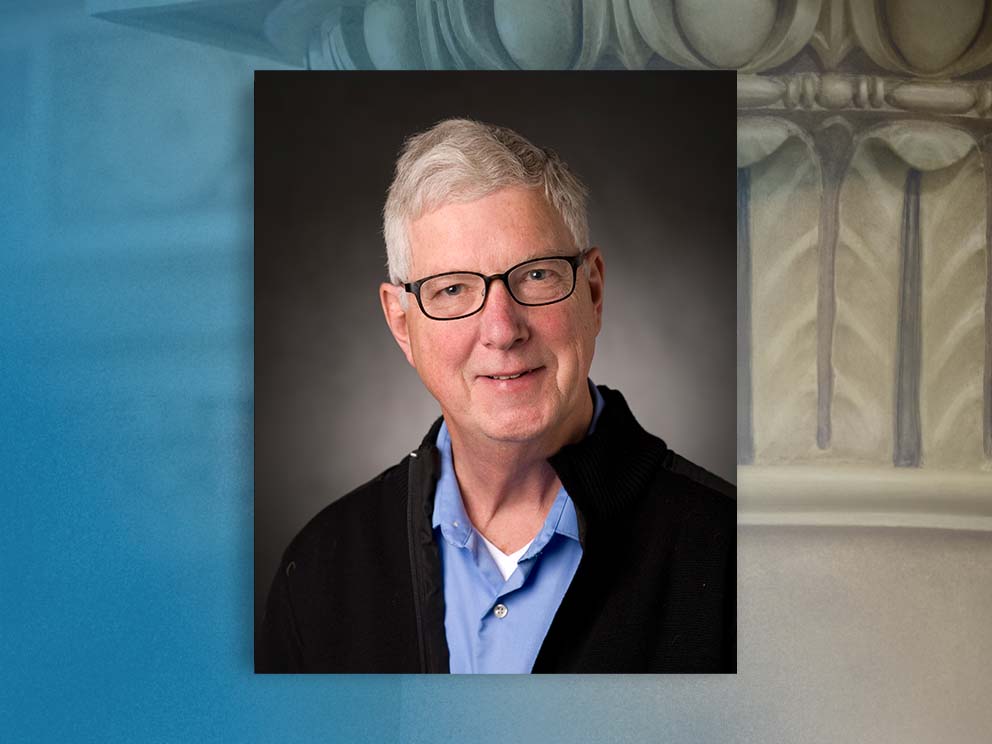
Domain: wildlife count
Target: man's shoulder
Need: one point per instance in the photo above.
(698, 478)
(692, 495)
(341, 599)
(624, 427)
(371, 506)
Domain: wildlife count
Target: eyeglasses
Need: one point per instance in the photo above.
(458, 294)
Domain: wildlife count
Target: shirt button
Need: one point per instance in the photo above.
(500, 611)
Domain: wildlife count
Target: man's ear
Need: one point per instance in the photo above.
(597, 282)
(396, 317)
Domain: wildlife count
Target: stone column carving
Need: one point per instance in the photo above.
(745, 425)
(833, 145)
(986, 148)
(784, 188)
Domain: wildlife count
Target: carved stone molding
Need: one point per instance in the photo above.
(911, 38)
(923, 38)
(863, 496)
(837, 92)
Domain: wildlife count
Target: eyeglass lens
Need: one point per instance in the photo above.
(533, 283)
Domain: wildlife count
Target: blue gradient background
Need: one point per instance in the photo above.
(126, 399)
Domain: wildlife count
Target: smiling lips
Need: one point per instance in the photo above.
(510, 375)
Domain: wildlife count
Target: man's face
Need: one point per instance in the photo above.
(552, 344)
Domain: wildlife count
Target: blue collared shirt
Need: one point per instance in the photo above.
(495, 626)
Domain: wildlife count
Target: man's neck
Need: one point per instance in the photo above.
(506, 500)
(508, 487)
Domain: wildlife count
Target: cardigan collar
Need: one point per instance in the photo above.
(605, 473)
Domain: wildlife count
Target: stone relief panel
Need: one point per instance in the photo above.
(909, 338)
(866, 291)
(867, 286)
(952, 234)
(784, 195)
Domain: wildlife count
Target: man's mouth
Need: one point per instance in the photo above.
(511, 376)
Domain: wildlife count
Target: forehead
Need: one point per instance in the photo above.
(488, 234)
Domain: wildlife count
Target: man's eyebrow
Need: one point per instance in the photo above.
(550, 252)
(530, 256)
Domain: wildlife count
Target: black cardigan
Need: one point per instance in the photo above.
(359, 588)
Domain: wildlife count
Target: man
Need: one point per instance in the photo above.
(537, 527)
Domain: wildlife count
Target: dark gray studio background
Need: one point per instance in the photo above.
(335, 400)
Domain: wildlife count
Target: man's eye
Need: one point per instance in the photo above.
(537, 274)
(452, 290)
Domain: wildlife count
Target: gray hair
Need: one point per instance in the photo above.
(460, 160)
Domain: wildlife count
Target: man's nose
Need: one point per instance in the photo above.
(502, 319)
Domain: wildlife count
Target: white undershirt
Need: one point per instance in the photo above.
(506, 564)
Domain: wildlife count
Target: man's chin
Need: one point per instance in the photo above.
(515, 427)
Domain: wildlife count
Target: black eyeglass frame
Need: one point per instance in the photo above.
(574, 261)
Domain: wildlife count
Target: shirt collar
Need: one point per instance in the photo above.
(449, 511)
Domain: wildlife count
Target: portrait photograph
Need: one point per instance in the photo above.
(495, 372)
